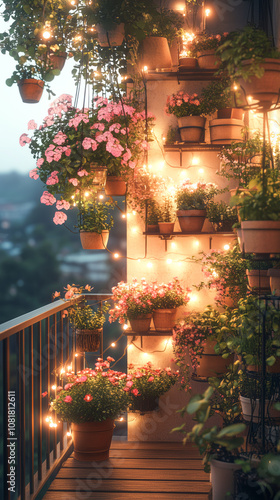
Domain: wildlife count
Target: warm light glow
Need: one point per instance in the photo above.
(76, 355)
(86, 194)
(129, 346)
(47, 419)
(113, 344)
(195, 160)
(46, 35)
(226, 247)
(121, 419)
(207, 12)
(196, 243)
(235, 87)
(69, 368)
(173, 245)
(133, 212)
(54, 387)
(101, 196)
(125, 326)
(123, 216)
(145, 68)
(62, 371)
(149, 264)
(183, 174)
(134, 229)
(145, 354)
(68, 434)
(201, 171)
(168, 261)
(116, 255)
(250, 98)
(193, 297)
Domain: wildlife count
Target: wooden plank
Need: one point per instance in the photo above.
(153, 445)
(154, 454)
(138, 464)
(131, 486)
(142, 474)
(73, 495)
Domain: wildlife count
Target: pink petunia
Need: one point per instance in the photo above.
(40, 162)
(59, 218)
(74, 181)
(68, 399)
(82, 172)
(60, 138)
(135, 392)
(151, 379)
(62, 204)
(53, 179)
(81, 379)
(47, 198)
(24, 139)
(44, 394)
(32, 125)
(33, 174)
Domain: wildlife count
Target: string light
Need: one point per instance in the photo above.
(168, 261)
(207, 12)
(123, 216)
(226, 247)
(54, 387)
(68, 434)
(201, 171)
(116, 255)
(125, 326)
(145, 68)
(113, 344)
(76, 355)
(195, 160)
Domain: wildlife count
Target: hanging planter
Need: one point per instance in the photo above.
(141, 324)
(258, 279)
(225, 131)
(115, 186)
(144, 405)
(31, 90)
(261, 237)
(57, 60)
(266, 88)
(191, 221)
(155, 53)
(112, 37)
(164, 319)
(94, 241)
(207, 59)
(210, 363)
(274, 280)
(88, 340)
(192, 128)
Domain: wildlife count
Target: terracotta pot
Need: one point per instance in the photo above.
(92, 440)
(164, 319)
(141, 324)
(88, 340)
(152, 228)
(115, 186)
(258, 279)
(266, 88)
(228, 300)
(144, 405)
(225, 131)
(274, 280)
(166, 227)
(31, 90)
(191, 221)
(222, 479)
(222, 226)
(226, 113)
(187, 63)
(192, 128)
(155, 53)
(270, 369)
(110, 38)
(251, 410)
(94, 241)
(210, 363)
(58, 60)
(261, 237)
(208, 60)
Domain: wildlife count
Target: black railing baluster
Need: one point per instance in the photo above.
(39, 396)
(31, 408)
(22, 412)
(6, 388)
(48, 448)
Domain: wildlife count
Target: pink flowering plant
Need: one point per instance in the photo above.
(145, 188)
(169, 295)
(195, 196)
(131, 300)
(149, 384)
(190, 336)
(72, 141)
(184, 104)
(93, 395)
(203, 41)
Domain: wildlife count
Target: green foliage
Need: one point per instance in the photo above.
(150, 382)
(225, 399)
(204, 41)
(217, 95)
(95, 217)
(195, 196)
(219, 212)
(166, 212)
(83, 317)
(153, 212)
(160, 22)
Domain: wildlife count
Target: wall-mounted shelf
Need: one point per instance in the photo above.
(196, 74)
(150, 333)
(169, 237)
(192, 146)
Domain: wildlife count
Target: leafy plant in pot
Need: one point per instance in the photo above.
(166, 215)
(189, 110)
(149, 384)
(94, 224)
(204, 47)
(90, 401)
(166, 298)
(250, 394)
(144, 189)
(202, 336)
(192, 200)
(221, 215)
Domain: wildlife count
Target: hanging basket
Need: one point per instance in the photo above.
(191, 221)
(112, 37)
(115, 186)
(58, 60)
(164, 319)
(31, 90)
(94, 241)
(274, 280)
(225, 131)
(192, 128)
(88, 340)
(155, 53)
(258, 279)
(92, 440)
(144, 405)
(210, 363)
(99, 176)
(207, 59)
(261, 237)
(266, 88)
(141, 324)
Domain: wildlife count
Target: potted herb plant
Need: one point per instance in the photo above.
(189, 110)
(192, 200)
(204, 47)
(153, 216)
(166, 298)
(257, 274)
(221, 215)
(166, 216)
(133, 302)
(90, 401)
(149, 384)
(94, 224)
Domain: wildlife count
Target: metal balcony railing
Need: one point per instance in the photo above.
(32, 349)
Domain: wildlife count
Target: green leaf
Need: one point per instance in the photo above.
(231, 430)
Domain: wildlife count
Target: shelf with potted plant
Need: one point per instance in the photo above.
(94, 223)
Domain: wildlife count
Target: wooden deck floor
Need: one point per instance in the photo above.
(135, 471)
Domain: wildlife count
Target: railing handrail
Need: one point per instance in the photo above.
(25, 320)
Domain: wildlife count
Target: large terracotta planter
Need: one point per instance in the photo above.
(166, 227)
(210, 363)
(94, 241)
(164, 319)
(141, 324)
(225, 131)
(266, 88)
(258, 279)
(115, 186)
(88, 340)
(274, 280)
(155, 53)
(222, 478)
(191, 221)
(110, 38)
(31, 90)
(251, 410)
(207, 59)
(261, 237)
(192, 128)
(226, 113)
(92, 440)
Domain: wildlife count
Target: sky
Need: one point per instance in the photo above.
(15, 114)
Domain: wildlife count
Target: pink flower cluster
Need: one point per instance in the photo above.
(183, 104)
(192, 187)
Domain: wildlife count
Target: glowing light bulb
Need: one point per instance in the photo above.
(196, 243)
(138, 260)
(53, 387)
(76, 355)
(116, 255)
(149, 265)
(47, 419)
(235, 87)
(145, 68)
(121, 419)
(145, 354)
(173, 244)
(134, 229)
(193, 297)
(250, 98)
(62, 371)
(113, 344)
(101, 196)
(86, 194)
(226, 247)
(123, 216)
(129, 346)
(125, 326)
(201, 171)
(195, 160)
(133, 212)
(168, 261)
(69, 368)
(207, 12)
(68, 434)
(46, 35)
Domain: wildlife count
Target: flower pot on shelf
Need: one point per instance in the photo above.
(207, 59)
(94, 241)
(274, 280)
(224, 226)
(164, 319)
(222, 478)
(226, 113)
(266, 88)
(166, 227)
(110, 38)
(152, 228)
(191, 221)
(58, 60)
(31, 90)
(192, 128)
(144, 405)
(225, 131)
(251, 410)
(210, 363)
(92, 440)
(115, 186)
(261, 237)
(141, 324)
(88, 340)
(258, 279)
(187, 63)
(155, 53)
